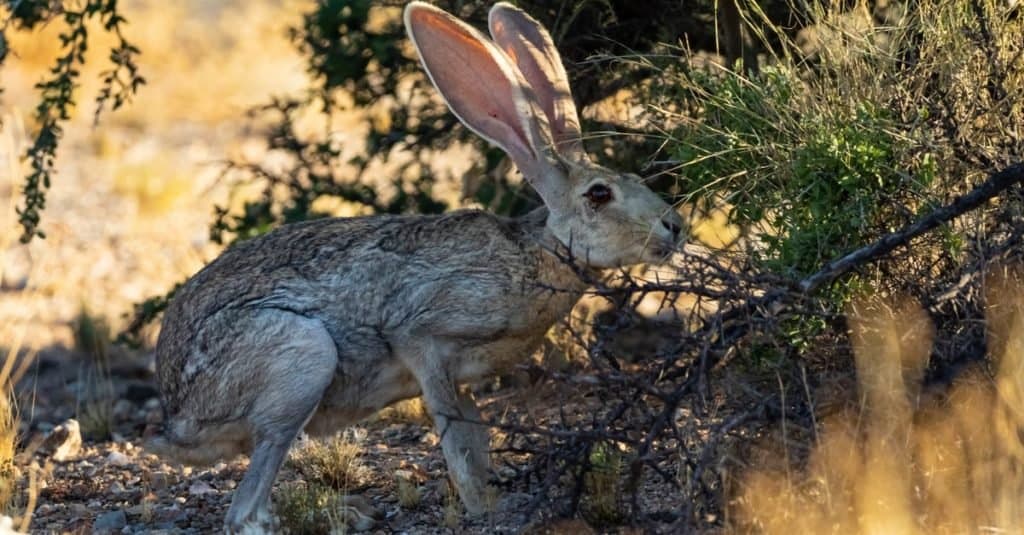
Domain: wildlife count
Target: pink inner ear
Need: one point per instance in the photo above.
(479, 91)
(531, 49)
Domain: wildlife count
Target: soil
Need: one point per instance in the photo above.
(113, 485)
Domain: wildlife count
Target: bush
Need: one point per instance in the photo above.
(826, 150)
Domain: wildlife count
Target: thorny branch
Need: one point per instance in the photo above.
(662, 409)
(992, 187)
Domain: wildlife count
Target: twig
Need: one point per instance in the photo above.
(993, 186)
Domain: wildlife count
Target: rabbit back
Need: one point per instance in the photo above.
(481, 280)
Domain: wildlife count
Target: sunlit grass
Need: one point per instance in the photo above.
(204, 62)
(903, 461)
(130, 205)
(332, 462)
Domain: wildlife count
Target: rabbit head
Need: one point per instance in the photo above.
(513, 91)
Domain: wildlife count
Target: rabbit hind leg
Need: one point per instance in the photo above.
(303, 365)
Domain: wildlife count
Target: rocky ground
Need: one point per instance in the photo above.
(111, 484)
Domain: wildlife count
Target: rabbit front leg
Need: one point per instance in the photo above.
(464, 442)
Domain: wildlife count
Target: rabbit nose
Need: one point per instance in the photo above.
(673, 227)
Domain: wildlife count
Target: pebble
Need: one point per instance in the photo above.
(65, 441)
(430, 438)
(123, 410)
(117, 458)
(110, 522)
(78, 510)
(154, 416)
(200, 488)
(159, 480)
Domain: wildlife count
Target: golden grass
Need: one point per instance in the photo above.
(321, 502)
(905, 461)
(411, 411)
(14, 500)
(205, 62)
(407, 491)
(156, 185)
(308, 508)
(333, 463)
(452, 518)
(128, 213)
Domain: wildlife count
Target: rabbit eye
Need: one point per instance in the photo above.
(598, 194)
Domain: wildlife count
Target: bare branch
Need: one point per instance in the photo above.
(992, 187)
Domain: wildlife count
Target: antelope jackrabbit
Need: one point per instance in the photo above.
(318, 324)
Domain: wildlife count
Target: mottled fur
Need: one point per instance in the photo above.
(370, 283)
(318, 324)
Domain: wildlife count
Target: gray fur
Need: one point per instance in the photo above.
(319, 324)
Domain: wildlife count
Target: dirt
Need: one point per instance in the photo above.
(114, 485)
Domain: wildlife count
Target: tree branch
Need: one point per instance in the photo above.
(992, 187)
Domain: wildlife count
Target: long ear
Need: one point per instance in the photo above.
(532, 50)
(485, 91)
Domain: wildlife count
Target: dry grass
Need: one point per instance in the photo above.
(95, 410)
(205, 62)
(411, 411)
(602, 501)
(307, 508)
(452, 507)
(333, 463)
(17, 496)
(903, 461)
(321, 502)
(407, 491)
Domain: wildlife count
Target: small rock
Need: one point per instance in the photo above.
(78, 510)
(123, 410)
(200, 488)
(160, 480)
(117, 458)
(65, 441)
(139, 510)
(429, 438)
(116, 488)
(154, 416)
(112, 521)
(6, 525)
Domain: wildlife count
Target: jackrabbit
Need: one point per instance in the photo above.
(319, 324)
